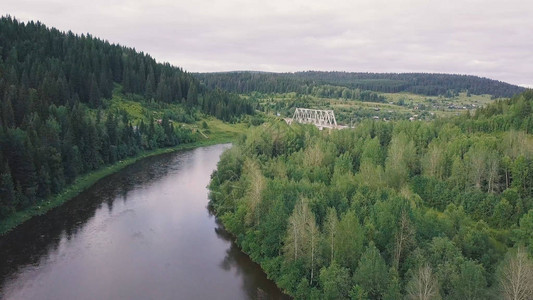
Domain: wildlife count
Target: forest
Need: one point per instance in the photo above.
(55, 123)
(388, 210)
(356, 85)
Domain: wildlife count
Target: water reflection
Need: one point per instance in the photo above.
(142, 233)
(253, 281)
(42, 234)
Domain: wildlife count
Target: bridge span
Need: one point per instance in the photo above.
(320, 118)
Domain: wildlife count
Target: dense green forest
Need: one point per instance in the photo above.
(356, 85)
(54, 120)
(421, 210)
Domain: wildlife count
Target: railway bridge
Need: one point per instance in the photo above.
(320, 118)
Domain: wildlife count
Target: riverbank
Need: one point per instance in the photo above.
(87, 180)
(139, 218)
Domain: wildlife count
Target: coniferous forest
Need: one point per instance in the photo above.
(349, 85)
(416, 210)
(54, 124)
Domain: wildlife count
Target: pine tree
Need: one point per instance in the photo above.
(8, 116)
(7, 192)
(150, 84)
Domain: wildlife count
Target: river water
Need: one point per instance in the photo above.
(142, 233)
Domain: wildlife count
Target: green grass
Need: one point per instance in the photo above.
(134, 109)
(138, 108)
(417, 106)
(85, 181)
(438, 104)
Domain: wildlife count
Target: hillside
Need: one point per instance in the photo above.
(71, 104)
(358, 96)
(387, 210)
(341, 84)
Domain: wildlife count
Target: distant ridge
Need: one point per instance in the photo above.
(430, 84)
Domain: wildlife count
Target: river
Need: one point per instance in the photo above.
(142, 233)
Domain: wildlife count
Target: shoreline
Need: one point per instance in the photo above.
(236, 242)
(87, 180)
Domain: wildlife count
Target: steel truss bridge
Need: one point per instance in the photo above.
(320, 118)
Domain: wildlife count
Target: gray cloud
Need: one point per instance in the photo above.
(486, 38)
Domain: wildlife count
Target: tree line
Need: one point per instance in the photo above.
(63, 68)
(417, 210)
(45, 154)
(54, 123)
(348, 85)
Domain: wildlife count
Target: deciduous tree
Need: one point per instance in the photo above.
(515, 276)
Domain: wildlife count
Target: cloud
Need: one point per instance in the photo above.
(486, 38)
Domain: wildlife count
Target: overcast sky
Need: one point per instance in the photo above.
(484, 37)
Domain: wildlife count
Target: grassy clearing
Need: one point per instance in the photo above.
(439, 105)
(397, 106)
(220, 130)
(138, 108)
(134, 109)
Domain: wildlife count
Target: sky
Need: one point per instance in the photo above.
(488, 38)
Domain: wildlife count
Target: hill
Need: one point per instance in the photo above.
(358, 96)
(71, 104)
(304, 83)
